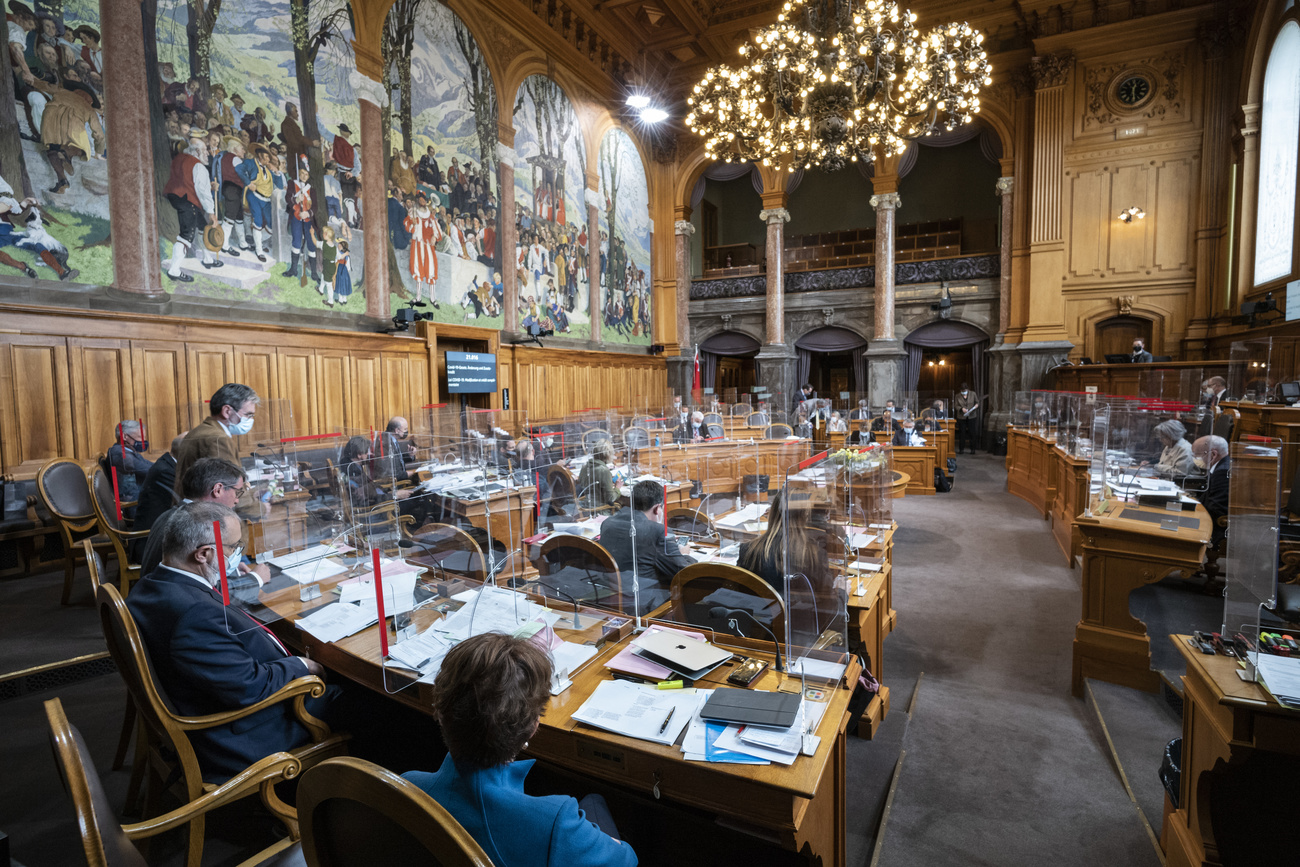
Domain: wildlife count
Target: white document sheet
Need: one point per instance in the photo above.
(314, 570)
(639, 710)
(337, 621)
(493, 609)
(306, 555)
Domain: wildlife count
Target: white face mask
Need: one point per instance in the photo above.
(233, 558)
(241, 427)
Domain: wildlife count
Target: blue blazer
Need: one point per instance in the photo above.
(206, 663)
(518, 830)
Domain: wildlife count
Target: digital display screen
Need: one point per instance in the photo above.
(471, 373)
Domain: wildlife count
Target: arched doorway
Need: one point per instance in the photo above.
(831, 359)
(941, 356)
(1115, 335)
(727, 364)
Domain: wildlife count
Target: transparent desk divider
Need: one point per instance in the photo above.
(1022, 410)
(1254, 506)
(1097, 490)
(1260, 366)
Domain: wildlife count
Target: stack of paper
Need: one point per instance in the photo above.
(766, 744)
(1281, 677)
(338, 620)
(307, 555)
(493, 609)
(422, 654)
(740, 517)
(639, 710)
(399, 592)
(314, 570)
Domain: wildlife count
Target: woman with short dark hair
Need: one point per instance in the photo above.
(489, 697)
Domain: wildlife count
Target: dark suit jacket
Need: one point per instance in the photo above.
(657, 561)
(879, 425)
(208, 439)
(156, 496)
(860, 438)
(209, 658)
(686, 433)
(1141, 358)
(1215, 499)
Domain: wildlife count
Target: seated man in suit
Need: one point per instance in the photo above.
(157, 495)
(1212, 452)
(395, 446)
(862, 436)
(1140, 354)
(209, 657)
(231, 409)
(210, 480)
(126, 456)
(694, 432)
(907, 434)
(886, 423)
(862, 411)
(656, 559)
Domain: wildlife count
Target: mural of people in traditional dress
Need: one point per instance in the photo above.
(256, 160)
(550, 211)
(443, 182)
(624, 242)
(54, 220)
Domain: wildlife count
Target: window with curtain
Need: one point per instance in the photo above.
(1279, 146)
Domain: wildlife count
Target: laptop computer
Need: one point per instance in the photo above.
(688, 656)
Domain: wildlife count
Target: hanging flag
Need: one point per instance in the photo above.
(696, 386)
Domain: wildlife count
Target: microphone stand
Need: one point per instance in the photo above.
(577, 624)
(720, 612)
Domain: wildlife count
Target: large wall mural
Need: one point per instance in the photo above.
(255, 151)
(624, 242)
(443, 214)
(54, 220)
(551, 211)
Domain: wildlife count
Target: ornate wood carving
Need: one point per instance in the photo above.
(1051, 70)
(1169, 103)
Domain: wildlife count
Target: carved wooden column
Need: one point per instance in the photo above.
(1006, 190)
(592, 198)
(1215, 159)
(1047, 245)
(509, 264)
(885, 204)
(1248, 128)
(683, 230)
(137, 263)
(776, 218)
(374, 199)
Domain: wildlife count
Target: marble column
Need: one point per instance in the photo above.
(593, 202)
(374, 199)
(683, 230)
(509, 237)
(1248, 126)
(776, 218)
(885, 205)
(1005, 187)
(133, 197)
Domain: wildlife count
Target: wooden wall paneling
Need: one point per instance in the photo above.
(333, 391)
(1130, 243)
(161, 388)
(367, 391)
(396, 387)
(418, 362)
(210, 366)
(1176, 192)
(297, 385)
(102, 391)
(37, 403)
(1086, 207)
(257, 367)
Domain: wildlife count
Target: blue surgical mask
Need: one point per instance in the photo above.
(241, 427)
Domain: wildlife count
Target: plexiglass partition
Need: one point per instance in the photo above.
(1264, 370)
(1254, 504)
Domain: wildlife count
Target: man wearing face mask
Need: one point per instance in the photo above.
(125, 456)
(210, 658)
(965, 406)
(1140, 354)
(232, 409)
(395, 446)
(1211, 452)
(1212, 391)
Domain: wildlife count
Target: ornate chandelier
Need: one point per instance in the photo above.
(850, 80)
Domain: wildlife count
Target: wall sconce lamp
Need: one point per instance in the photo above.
(1127, 215)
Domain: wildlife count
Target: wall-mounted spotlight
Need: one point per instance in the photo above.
(650, 114)
(1128, 214)
(638, 100)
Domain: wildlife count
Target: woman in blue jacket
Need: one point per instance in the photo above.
(489, 697)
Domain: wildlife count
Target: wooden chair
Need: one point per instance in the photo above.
(448, 549)
(61, 485)
(170, 753)
(107, 842)
(593, 436)
(695, 523)
(355, 814)
(714, 431)
(778, 431)
(741, 409)
(757, 419)
(577, 560)
(703, 586)
(712, 418)
(637, 437)
(1225, 424)
(117, 529)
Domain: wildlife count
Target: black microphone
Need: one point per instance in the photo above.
(730, 615)
(515, 582)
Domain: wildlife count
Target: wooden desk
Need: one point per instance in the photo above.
(1119, 555)
(726, 460)
(1031, 467)
(1225, 721)
(869, 622)
(1126, 378)
(803, 804)
(506, 516)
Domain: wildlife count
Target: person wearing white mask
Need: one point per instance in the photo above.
(965, 406)
(232, 410)
(211, 658)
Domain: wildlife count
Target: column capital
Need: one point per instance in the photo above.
(684, 227)
(774, 215)
(506, 155)
(593, 199)
(368, 89)
(1051, 70)
(886, 201)
(1006, 186)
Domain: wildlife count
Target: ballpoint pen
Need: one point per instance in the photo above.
(667, 720)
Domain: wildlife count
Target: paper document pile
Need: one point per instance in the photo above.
(338, 620)
(639, 710)
(1281, 677)
(734, 744)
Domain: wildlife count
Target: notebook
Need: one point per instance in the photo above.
(752, 707)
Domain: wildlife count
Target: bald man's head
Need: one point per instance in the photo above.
(398, 427)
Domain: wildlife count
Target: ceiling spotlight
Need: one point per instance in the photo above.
(1127, 215)
(653, 115)
(638, 100)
